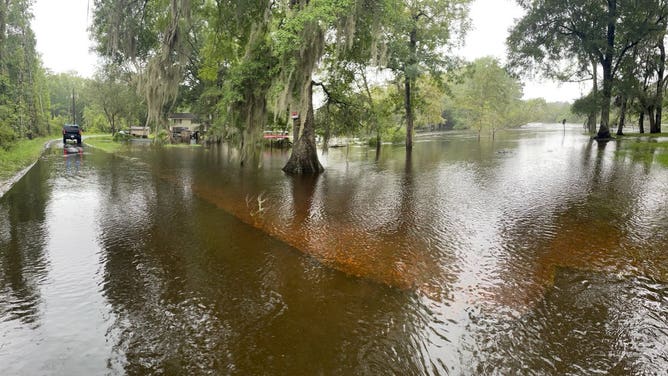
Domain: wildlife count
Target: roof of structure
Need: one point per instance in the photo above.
(181, 115)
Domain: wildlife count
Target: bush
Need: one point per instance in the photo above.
(162, 137)
(7, 137)
(397, 135)
(121, 136)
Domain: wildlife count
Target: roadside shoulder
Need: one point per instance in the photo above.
(7, 183)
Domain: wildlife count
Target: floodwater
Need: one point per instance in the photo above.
(538, 253)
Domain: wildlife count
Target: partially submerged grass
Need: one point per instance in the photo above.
(182, 145)
(104, 143)
(20, 155)
(645, 147)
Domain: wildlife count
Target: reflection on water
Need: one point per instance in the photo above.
(23, 265)
(538, 253)
(73, 158)
(587, 323)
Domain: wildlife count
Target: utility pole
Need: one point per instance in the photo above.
(74, 116)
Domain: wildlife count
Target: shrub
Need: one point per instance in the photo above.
(397, 135)
(7, 137)
(162, 137)
(121, 136)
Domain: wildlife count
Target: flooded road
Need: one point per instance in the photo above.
(538, 253)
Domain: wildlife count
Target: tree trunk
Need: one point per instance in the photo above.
(409, 114)
(606, 63)
(656, 127)
(622, 116)
(408, 75)
(296, 124)
(658, 102)
(304, 157)
(591, 120)
(641, 122)
(326, 134)
(376, 124)
(650, 116)
(604, 128)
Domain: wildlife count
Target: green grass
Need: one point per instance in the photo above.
(20, 155)
(106, 143)
(648, 135)
(103, 142)
(663, 158)
(182, 145)
(644, 148)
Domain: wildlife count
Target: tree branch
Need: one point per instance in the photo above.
(330, 97)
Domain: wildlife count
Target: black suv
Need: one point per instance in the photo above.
(71, 132)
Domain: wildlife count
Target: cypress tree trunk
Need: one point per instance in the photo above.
(622, 117)
(641, 122)
(656, 127)
(606, 63)
(409, 114)
(407, 90)
(604, 128)
(376, 124)
(591, 120)
(304, 157)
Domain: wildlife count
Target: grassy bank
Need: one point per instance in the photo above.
(21, 155)
(103, 142)
(182, 145)
(644, 147)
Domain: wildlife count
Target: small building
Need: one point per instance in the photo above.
(138, 131)
(183, 121)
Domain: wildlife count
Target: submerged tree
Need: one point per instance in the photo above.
(309, 30)
(556, 32)
(300, 46)
(260, 59)
(488, 96)
(419, 34)
(345, 73)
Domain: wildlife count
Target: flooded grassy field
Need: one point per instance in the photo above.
(539, 253)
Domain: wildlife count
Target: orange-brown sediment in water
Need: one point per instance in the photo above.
(401, 258)
(574, 247)
(379, 257)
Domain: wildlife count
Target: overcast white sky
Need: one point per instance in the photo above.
(491, 21)
(62, 36)
(62, 40)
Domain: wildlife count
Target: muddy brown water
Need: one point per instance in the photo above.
(538, 253)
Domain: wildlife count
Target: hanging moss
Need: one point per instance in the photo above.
(150, 38)
(301, 42)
